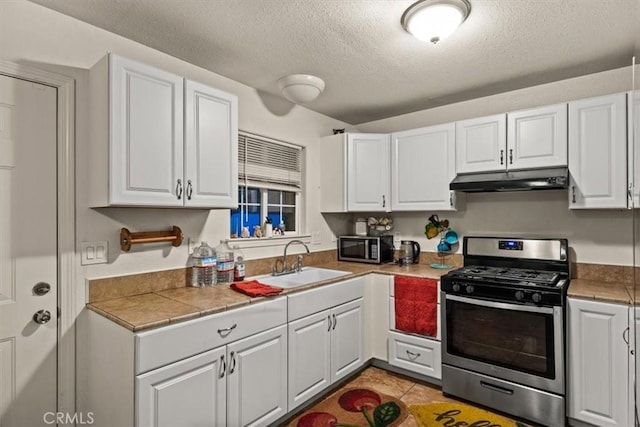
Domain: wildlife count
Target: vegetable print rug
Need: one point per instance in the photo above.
(355, 407)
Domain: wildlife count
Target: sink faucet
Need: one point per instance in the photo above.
(283, 261)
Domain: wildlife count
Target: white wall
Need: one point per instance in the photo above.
(596, 236)
(33, 35)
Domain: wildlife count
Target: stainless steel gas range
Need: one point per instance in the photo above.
(503, 332)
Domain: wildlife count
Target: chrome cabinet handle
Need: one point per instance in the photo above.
(335, 321)
(329, 319)
(226, 331)
(384, 201)
(451, 198)
(510, 156)
(42, 316)
(189, 189)
(232, 367)
(223, 367)
(625, 335)
(412, 355)
(502, 157)
(179, 189)
(573, 194)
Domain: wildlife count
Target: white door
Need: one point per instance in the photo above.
(309, 357)
(28, 251)
(211, 147)
(537, 137)
(422, 166)
(480, 144)
(146, 135)
(347, 339)
(368, 172)
(257, 379)
(190, 392)
(598, 363)
(598, 152)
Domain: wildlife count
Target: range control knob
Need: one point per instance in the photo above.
(456, 287)
(536, 297)
(519, 295)
(469, 289)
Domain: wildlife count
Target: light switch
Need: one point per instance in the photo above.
(94, 252)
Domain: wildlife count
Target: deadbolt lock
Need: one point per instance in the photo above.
(41, 288)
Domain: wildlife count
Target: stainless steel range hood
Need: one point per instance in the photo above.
(533, 179)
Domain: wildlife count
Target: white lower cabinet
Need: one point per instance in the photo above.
(416, 354)
(191, 392)
(598, 363)
(327, 345)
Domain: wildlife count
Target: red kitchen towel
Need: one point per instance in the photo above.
(253, 288)
(416, 305)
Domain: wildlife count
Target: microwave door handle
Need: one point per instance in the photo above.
(366, 249)
(501, 305)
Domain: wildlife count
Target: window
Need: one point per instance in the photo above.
(270, 184)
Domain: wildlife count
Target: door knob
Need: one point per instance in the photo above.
(42, 316)
(41, 288)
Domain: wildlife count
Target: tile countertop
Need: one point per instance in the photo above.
(159, 308)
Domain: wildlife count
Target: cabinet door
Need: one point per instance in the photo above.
(187, 393)
(633, 133)
(211, 147)
(309, 357)
(368, 172)
(422, 166)
(257, 378)
(480, 144)
(347, 340)
(598, 363)
(598, 152)
(537, 137)
(146, 135)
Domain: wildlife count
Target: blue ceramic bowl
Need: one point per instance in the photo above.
(451, 237)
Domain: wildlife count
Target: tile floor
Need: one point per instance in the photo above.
(398, 386)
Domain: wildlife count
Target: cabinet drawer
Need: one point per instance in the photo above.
(305, 303)
(419, 355)
(175, 342)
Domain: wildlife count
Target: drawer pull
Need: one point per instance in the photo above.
(329, 319)
(412, 355)
(226, 331)
(496, 388)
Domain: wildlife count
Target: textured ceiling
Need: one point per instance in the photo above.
(372, 68)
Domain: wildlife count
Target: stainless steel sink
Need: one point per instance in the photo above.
(304, 277)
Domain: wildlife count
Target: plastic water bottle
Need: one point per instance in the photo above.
(238, 271)
(203, 266)
(225, 263)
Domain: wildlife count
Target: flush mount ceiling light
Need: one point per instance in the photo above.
(301, 88)
(434, 20)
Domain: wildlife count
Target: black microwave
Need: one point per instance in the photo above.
(370, 249)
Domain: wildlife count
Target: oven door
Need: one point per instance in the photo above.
(514, 342)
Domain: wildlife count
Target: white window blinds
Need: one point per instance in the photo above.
(267, 163)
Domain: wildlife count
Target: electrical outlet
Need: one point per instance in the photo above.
(94, 252)
(315, 238)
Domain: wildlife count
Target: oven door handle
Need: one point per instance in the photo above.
(501, 305)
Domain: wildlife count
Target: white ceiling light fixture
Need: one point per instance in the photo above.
(301, 88)
(434, 20)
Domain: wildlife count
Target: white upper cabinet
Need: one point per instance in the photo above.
(480, 144)
(422, 166)
(598, 152)
(355, 173)
(143, 154)
(368, 172)
(537, 137)
(211, 147)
